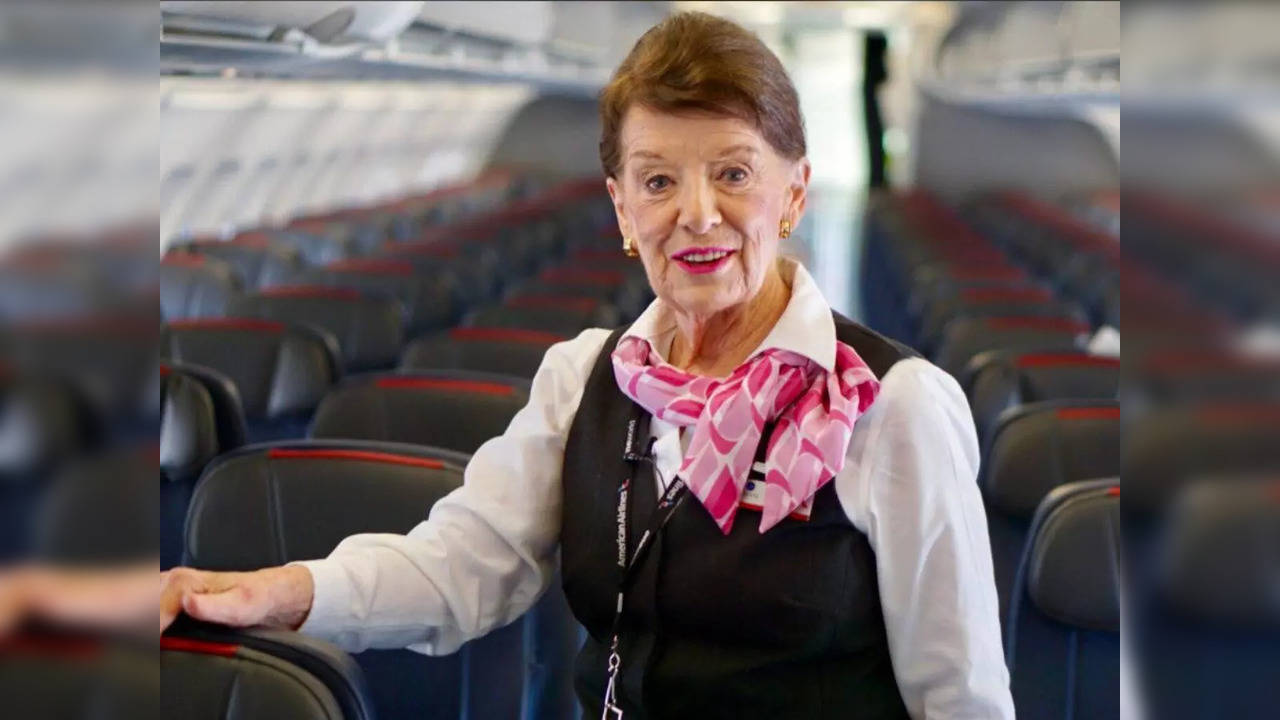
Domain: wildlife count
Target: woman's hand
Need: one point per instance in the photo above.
(275, 597)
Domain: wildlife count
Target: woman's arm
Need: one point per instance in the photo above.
(918, 498)
(481, 559)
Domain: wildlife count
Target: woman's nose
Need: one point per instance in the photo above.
(698, 211)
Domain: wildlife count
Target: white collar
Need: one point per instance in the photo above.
(805, 327)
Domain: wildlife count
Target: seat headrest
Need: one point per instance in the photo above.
(110, 358)
(429, 299)
(1037, 447)
(450, 409)
(965, 337)
(258, 261)
(279, 369)
(1000, 379)
(1073, 563)
(560, 317)
(369, 329)
(506, 351)
(101, 509)
(43, 420)
(266, 505)
(196, 285)
(214, 672)
(1220, 562)
(201, 418)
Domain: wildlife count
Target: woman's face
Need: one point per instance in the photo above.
(702, 197)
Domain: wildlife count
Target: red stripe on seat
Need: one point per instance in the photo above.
(1037, 323)
(583, 276)
(364, 455)
(1235, 413)
(1062, 359)
(431, 248)
(986, 272)
(165, 370)
(372, 266)
(1113, 492)
(183, 259)
(999, 294)
(257, 240)
(56, 646)
(202, 647)
(559, 302)
(310, 291)
(1089, 413)
(537, 337)
(472, 386)
(227, 324)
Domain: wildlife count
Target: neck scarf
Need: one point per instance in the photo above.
(813, 412)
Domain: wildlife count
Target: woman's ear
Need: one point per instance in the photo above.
(797, 192)
(615, 194)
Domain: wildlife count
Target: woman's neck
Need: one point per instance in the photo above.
(715, 345)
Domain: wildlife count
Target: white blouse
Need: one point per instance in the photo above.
(489, 549)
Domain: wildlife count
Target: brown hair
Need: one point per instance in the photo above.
(696, 61)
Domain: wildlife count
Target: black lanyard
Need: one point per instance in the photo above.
(670, 501)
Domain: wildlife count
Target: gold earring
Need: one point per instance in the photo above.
(784, 230)
(629, 248)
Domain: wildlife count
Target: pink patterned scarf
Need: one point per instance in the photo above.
(813, 412)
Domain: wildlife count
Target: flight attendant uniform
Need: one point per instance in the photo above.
(874, 600)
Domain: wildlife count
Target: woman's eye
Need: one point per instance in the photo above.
(734, 175)
(657, 183)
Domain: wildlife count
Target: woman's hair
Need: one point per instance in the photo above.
(699, 62)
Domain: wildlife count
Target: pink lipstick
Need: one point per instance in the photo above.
(702, 260)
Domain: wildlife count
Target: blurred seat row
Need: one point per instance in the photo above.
(1005, 294)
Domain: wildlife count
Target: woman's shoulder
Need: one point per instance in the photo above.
(575, 357)
(915, 385)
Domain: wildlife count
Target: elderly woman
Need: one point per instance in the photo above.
(759, 508)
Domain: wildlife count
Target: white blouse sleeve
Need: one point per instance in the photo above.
(914, 493)
(486, 552)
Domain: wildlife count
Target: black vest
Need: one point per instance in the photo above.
(782, 625)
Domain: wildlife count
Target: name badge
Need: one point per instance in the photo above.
(753, 495)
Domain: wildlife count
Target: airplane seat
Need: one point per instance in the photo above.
(505, 351)
(460, 410)
(201, 418)
(1063, 644)
(259, 262)
(1033, 301)
(109, 358)
(41, 289)
(369, 329)
(195, 286)
(1033, 449)
(44, 421)
(317, 247)
(453, 409)
(1207, 623)
(99, 510)
(280, 371)
(564, 316)
(966, 337)
(931, 282)
(476, 269)
(429, 300)
(1001, 379)
(629, 301)
(214, 672)
(265, 505)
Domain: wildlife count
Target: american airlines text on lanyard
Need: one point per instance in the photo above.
(671, 500)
